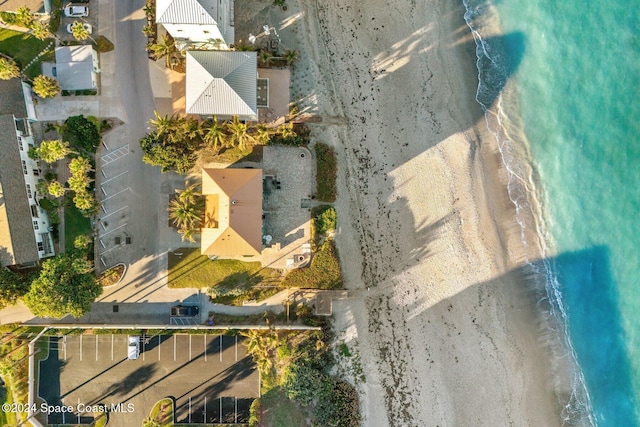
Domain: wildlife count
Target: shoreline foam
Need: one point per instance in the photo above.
(448, 332)
(505, 125)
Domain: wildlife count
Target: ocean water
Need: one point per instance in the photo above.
(561, 90)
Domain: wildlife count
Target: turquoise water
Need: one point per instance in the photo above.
(573, 70)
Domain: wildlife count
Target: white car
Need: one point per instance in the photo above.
(134, 347)
(85, 25)
(76, 11)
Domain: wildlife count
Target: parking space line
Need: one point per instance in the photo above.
(96, 348)
(205, 408)
(189, 409)
(236, 348)
(220, 409)
(189, 348)
(64, 347)
(221, 348)
(205, 347)
(236, 420)
(81, 348)
(111, 346)
(174, 347)
(143, 349)
(159, 342)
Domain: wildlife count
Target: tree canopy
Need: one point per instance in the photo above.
(66, 285)
(52, 150)
(12, 287)
(45, 86)
(8, 69)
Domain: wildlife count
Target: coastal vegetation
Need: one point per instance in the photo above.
(295, 380)
(176, 142)
(65, 285)
(327, 169)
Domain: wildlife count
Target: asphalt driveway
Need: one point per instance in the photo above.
(211, 378)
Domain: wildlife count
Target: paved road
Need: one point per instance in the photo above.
(203, 373)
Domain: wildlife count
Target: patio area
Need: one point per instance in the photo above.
(287, 185)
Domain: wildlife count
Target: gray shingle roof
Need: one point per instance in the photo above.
(18, 246)
(222, 83)
(12, 98)
(187, 12)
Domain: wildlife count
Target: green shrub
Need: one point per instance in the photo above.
(327, 169)
(324, 272)
(82, 133)
(324, 222)
(254, 413)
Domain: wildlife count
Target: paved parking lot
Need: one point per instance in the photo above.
(211, 378)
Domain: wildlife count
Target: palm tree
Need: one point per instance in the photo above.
(291, 56)
(40, 30)
(8, 69)
(80, 166)
(214, 134)
(53, 150)
(148, 30)
(164, 124)
(79, 183)
(264, 57)
(238, 131)
(45, 86)
(165, 48)
(79, 31)
(264, 133)
(287, 130)
(56, 189)
(84, 201)
(24, 17)
(186, 212)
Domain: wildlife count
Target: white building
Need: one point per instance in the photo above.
(24, 226)
(198, 23)
(76, 67)
(222, 84)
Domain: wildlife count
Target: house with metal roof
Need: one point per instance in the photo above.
(76, 67)
(222, 84)
(25, 235)
(198, 23)
(232, 226)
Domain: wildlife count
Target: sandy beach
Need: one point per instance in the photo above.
(442, 321)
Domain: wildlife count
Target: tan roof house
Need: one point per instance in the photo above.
(36, 6)
(222, 84)
(232, 227)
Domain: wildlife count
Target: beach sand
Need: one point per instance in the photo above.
(442, 319)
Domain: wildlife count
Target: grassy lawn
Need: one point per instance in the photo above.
(192, 270)
(23, 48)
(279, 410)
(75, 224)
(323, 273)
